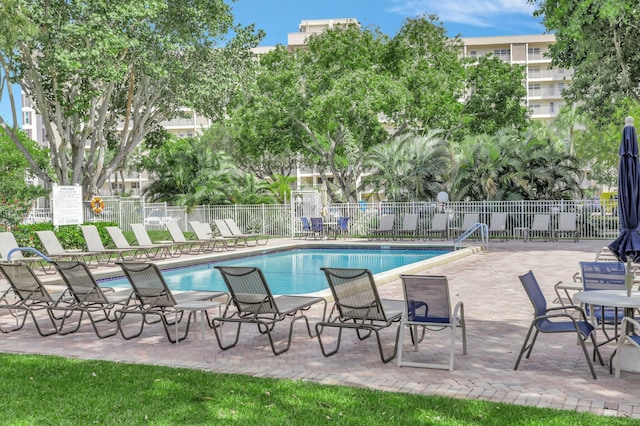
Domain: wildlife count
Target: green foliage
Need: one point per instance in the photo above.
(353, 89)
(599, 41)
(251, 190)
(496, 97)
(187, 172)
(16, 194)
(514, 166)
(116, 393)
(409, 168)
(100, 63)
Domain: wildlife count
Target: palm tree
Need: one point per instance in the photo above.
(189, 173)
(410, 167)
(281, 186)
(251, 190)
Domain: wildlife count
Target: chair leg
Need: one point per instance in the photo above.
(219, 335)
(525, 347)
(395, 348)
(319, 329)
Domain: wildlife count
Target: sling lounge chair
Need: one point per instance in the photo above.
(358, 306)
(385, 229)
(122, 243)
(8, 244)
(555, 320)
(468, 220)
(539, 228)
(438, 226)
(204, 232)
(55, 250)
(90, 298)
(225, 233)
(26, 296)
(428, 307)
(181, 242)
(159, 250)
(237, 233)
(498, 226)
(110, 256)
(409, 226)
(154, 299)
(255, 304)
(567, 226)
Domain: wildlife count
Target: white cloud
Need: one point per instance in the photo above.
(481, 13)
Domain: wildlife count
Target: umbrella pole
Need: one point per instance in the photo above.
(628, 278)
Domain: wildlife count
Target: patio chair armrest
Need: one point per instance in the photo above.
(628, 320)
(458, 312)
(564, 308)
(558, 315)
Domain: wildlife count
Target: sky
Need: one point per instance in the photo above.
(467, 18)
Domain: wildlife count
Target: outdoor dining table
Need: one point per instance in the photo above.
(616, 299)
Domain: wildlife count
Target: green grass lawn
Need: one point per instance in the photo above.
(38, 390)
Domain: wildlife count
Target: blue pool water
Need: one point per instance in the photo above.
(295, 271)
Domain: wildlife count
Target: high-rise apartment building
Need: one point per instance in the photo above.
(544, 84)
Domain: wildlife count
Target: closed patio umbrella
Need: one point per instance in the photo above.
(627, 246)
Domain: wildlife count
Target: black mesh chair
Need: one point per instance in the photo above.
(255, 304)
(357, 306)
(155, 302)
(27, 295)
(89, 298)
(555, 320)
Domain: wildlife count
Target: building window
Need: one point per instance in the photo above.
(27, 117)
(134, 185)
(534, 51)
(502, 52)
(473, 53)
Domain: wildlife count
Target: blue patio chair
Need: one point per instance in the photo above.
(343, 226)
(317, 227)
(428, 307)
(555, 320)
(603, 276)
(306, 226)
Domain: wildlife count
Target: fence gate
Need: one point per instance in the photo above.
(304, 203)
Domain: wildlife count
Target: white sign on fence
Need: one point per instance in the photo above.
(67, 205)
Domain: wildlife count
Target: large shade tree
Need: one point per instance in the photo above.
(324, 103)
(103, 74)
(599, 40)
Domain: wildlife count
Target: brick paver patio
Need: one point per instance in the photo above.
(498, 314)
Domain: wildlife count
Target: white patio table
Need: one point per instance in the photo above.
(616, 299)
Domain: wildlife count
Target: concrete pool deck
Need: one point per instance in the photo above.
(497, 311)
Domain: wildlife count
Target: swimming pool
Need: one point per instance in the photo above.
(294, 271)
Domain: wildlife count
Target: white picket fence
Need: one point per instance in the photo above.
(283, 220)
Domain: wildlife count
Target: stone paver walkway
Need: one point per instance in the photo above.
(498, 314)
